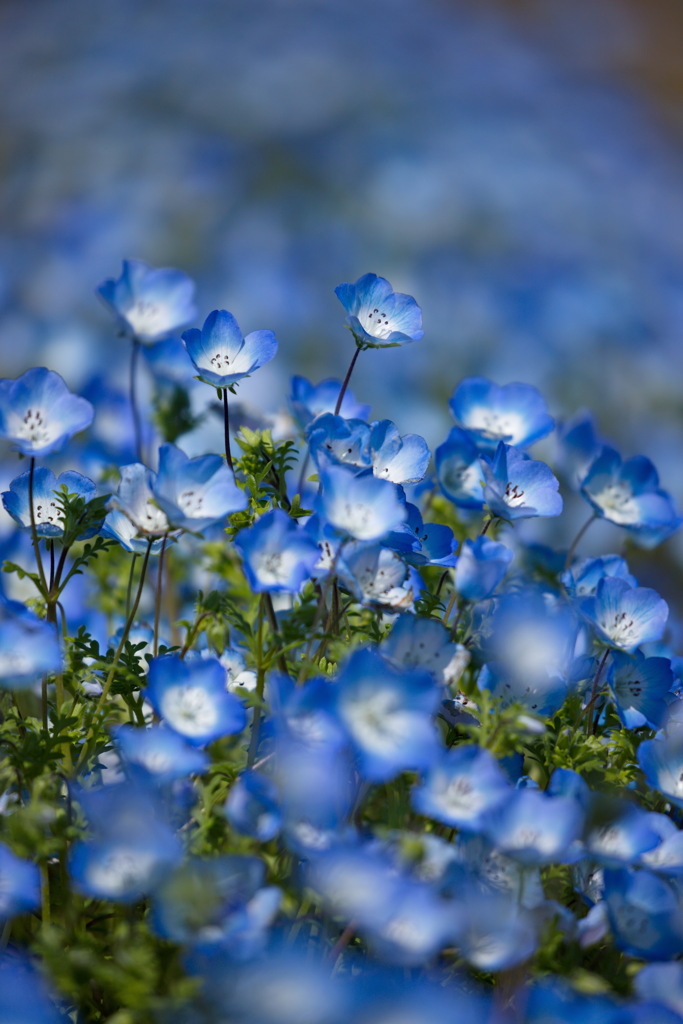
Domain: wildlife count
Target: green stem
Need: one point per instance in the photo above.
(34, 532)
(119, 650)
(260, 684)
(129, 589)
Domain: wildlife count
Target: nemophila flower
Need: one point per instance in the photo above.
(458, 470)
(377, 316)
(39, 414)
(462, 787)
(159, 752)
(514, 413)
(619, 833)
(582, 580)
(362, 507)
(530, 651)
(309, 401)
(578, 445)
(661, 760)
(304, 715)
(135, 500)
(662, 983)
(483, 866)
(132, 845)
(24, 996)
(29, 647)
(278, 556)
(555, 1001)
(624, 616)
(402, 459)
(639, 687)
(19, 884)
(48, 512)
(333, 439)
(191, 698)
(315, 816)
(628, 494)
(481, 566)
(377, 575)
(218, 901)
(149, 303)
(423, 543)
(252, 807)
(496, 932)
(644, 913)
(518, 487)
(534, 827)
(667, 857)
(195, 493)
(421, 643)
(221, 355)
(387, 715)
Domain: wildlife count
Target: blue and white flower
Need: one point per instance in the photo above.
(150, 303)
(221, 355)
(514, 413)
(39, 414)
(378, 317)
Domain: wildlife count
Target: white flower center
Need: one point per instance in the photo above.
(376, 322)
(121, 869)
(189, 709)
(617, 501)
(191, 503)
(146, 318)
(34, 426)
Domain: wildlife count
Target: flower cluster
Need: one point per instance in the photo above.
(316, 732)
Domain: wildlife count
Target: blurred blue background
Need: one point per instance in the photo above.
(514, 166)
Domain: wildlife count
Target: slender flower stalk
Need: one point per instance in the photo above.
(158, 594)
(226, 427)
(577, 540)
(347, 378)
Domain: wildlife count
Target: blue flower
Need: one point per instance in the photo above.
(377, 575)
(423, 543)
(360, 506)
(221, 355)
(149, 303)
(662, 762)
(458, 470)
(158, 752)
(639, 686)
(462, 787)
(252, 807)
(19, 884)
(515, 413)
(644, 913)
(195, 493)
(278, 556)
(377, 316)
(387, 715)
(582, 579)
(47, 512)
(191, 698)
(132, 845)
(628, 494)
(400, 459)
(536, 828)
(39, 414)
(421, 643)
(29, 648)
(624, 616)
(518, 487)
(333, 439)
(311, 400)
(135, 516)
(481, 565)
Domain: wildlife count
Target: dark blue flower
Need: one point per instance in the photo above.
(19, 884)
(377, 316)
(221, 355)
(252, 807)
(29, 647)
(639, 686)
(149, 303)
(514, 413)
(39, 414)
